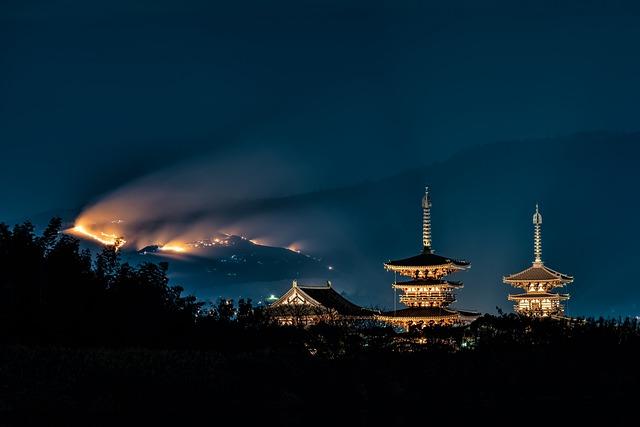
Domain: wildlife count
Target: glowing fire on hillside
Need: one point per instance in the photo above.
(172, 248)
(110, 239)
(111, 233)
(107, 239)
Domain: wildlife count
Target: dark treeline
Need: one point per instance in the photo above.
(52, 292)
(95, 337)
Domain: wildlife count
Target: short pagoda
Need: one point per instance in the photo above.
(428, 294)
(538, 281)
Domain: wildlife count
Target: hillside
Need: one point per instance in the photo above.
(483, 199)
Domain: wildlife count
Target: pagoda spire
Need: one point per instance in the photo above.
(538, 282)
(537, 236)
(426, 222)
(427, 295)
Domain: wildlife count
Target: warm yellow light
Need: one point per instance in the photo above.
(104, 238)
(172, 248)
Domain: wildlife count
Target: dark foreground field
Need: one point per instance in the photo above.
(53, 385)
(91, 340)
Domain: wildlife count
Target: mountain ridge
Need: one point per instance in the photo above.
(483, 198)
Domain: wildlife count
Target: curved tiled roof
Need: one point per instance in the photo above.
(331, 299)
(421, 312)
(316, 300)
(538, 272)
(426, 259)
(469, 313)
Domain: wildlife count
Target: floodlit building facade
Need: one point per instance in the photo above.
(308, 305)
(428, 294)
(538, 281)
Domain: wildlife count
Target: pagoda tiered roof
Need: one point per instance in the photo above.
(427, 294)
(538, 272)
(425, 260)
(426, 313)
(537, 281)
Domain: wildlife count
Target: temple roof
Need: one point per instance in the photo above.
(538, 272)
(537, 295)
(329, 298)
(429, 282)
(469, 313)
(320, 297)
(426, 312)
(426, 259)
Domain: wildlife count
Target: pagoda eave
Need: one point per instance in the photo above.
(416, 319)
(452, 318)
(537, 273)
(425, 270)
(518, 282)
(414, 288)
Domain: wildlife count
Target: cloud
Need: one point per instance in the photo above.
(196, 198)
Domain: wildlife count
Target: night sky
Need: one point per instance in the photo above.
(296, 96)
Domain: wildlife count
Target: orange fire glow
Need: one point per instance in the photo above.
(172, 248)
(104, 238)
(110, 239)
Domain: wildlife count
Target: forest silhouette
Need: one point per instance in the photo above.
(92, 336)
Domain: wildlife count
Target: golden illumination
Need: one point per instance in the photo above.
(173, 248)
(107, 239)
(538, 282)
(427, 295)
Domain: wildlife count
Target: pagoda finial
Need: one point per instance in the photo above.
(537, 236)
(426, 221)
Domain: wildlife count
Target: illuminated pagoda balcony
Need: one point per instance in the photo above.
(539, 304)
(429, 285)
(428, 299)
(427, 293)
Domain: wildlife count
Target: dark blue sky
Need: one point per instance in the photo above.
(93, 94)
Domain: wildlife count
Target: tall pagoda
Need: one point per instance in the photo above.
(427, 295)
(537, 282)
